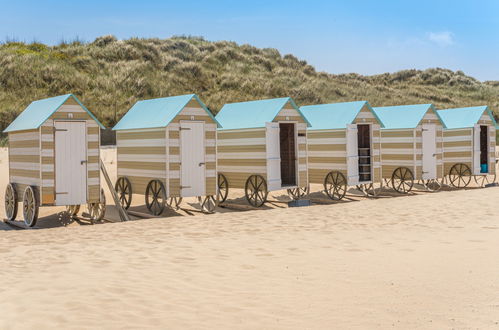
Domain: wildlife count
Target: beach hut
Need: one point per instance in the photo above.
(166, 151)
(469, 145)
(54, 149)
(411, 146)
(262, 147)
(343, 147)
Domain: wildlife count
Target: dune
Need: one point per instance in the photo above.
(425, 261)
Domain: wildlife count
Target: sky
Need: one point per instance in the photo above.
(366, 37)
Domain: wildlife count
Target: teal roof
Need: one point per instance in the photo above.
(403, 116)
(463, 117)
(333, 116)
(39, 111)
(253, 114)
(157, 113)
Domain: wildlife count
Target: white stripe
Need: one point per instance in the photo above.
(93, 138)
(92, 167)
(327, 154)
(242, 169)
(456, 160)
(323, 141)
(141, 158)
(70, 108)
(301, 126)
(366, 115)
(376, 152)
(376, 164)
(400, 139)
(241, 155)
(376, 139)
(93, 152)
(24, 166)
(398, 162)
(457, 149)
(141, 173)
(289, 113)
(47, 137)
(174, 174)
(326, 166)
(174, 142)
(48, 123)
(302, 167)
(221, 131)
(48, 168)
(93, 181)
(210, 143)
(210, 127)
(23, 180)
(193, 112)
(49, 183)
(47, 152)
(241, 142)
(211, 173)
(140, 130)
(394, 151)
(174, 158)
(30, 136)
(302, 140)
(302, 154)
(141, 143)
(174, 126)
(92, 123)
(210, 158)
(430, 116)
(461, 138)
(24, 151)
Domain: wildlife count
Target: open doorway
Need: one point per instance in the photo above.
(484, 149)
(288, 154)
(364, 146)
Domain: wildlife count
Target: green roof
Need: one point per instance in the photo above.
(39, 111)
(403, 116)
(156, 113)
(253, 114)
(464, 117)
(335, 115)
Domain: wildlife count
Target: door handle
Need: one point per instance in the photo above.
(200, 164)
(83, 162)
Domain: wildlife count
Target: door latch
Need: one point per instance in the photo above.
(83, 162)
(201, 164)
(184, 187)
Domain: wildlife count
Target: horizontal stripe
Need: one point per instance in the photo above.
(24, 158)
(24, 180)
(143, 135)
(92, 152)
(238, 155)
(243, 169)
(241, 142)
(458, 138)
(400, 140)
(146, 166)
(401, 151)
(47, 137)
(141, 173)
(71, 108)
(24, 166)
(321, 134)
(141, 150)
(141, 158)
(320, 166)
(327, 153)
(323, 141)
(27, 136)
(457, 149)
(92, 138)
(141, 143)
(24, 151)
(241, 135)
(398, 162)
(47, 152)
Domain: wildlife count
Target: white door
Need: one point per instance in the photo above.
(273, 156)
(192, 158)
(476, 150)
(352, 155)
(429, 152)
(70, 163)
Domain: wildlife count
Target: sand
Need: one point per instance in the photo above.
(426, 261)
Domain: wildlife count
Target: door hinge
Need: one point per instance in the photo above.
(184, 187)
(61, 193)
(425, 130)
(60, 130)
(185, 128)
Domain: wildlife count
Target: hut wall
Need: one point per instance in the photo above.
(70, 110)
(192, 112)
(327, 151)
(24, 160)
(241, 153)
(458, 148)
(398, 149)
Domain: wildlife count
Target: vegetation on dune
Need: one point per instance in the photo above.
(110, 75)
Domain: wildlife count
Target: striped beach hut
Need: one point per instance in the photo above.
(54, 147)
(411, 146)
(166, 151)
(343, 147)
(469, 145)
(262, 147)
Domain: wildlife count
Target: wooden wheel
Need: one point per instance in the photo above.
(208, 203)
(402, 180)
(297, 193)
(483, 180)
(368, 189)
(174, 202)
(335, 185)
(256, 190)
(432, 185)
(155, 197)
(30, 206)
(98, 210)
(223, 188)
(460, 175)
(10, 202)
(123, 188)
(73, 210)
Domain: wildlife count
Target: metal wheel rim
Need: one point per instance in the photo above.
(123, 188)
(256, 190)
(402, 180)
(155, 197)
(30, 207)
(460, 175)
(335, 185)
(10, 202)
(208, 204)
(223, 188)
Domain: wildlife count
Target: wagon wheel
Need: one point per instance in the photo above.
(155, 197)
(223, 188)
(174, 202)
(402, 180)
(460, 175)
(10, 202)
(208, 203)
(256, 190)
(73, 210)
(123, 188)
(30, 206)
(432, 185)
(297, 193)
(368, 189)
(483, 180)
(98, 210)
(335, 185)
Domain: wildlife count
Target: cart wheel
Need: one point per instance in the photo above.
(30, 206)
(174, 202)
(155, 197)
(223, 188)
(297, 193)
(208, 204)
(335, 185)
(256, 190)
(123, 188)
(460, 175)
(73, 210)
(10, 202)
(483, 180)
(402, 180)
(98, 210)
(368, 189)
(432, 185)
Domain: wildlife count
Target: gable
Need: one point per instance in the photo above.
(365, 115)
(289, 113)
(71, 110)
(194, 111)
(485, 119)
(430, 117)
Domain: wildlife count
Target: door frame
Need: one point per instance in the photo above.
(371, 147)
(435, 161)
(297, 156)
(180, 150)
(86, 155)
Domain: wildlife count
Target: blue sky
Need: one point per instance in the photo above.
(367, 37)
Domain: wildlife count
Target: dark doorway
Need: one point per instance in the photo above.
(484, 149)
(288, 154)
(364, 145)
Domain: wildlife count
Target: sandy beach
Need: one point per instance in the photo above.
(425, 261)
